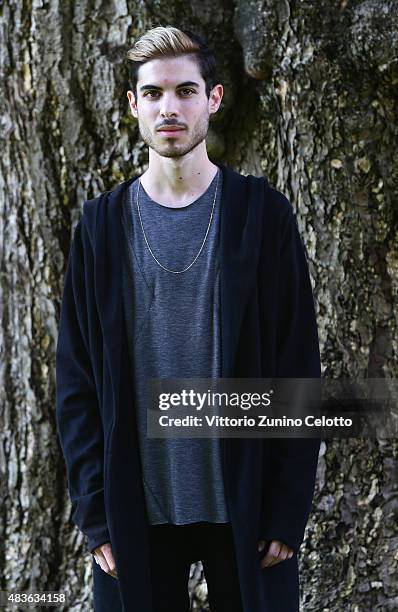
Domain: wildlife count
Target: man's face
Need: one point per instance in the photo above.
(172, 93)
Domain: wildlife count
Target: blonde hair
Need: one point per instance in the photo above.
(168, 41)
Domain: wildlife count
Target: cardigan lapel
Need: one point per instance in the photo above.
(108, 281)
(240, 236)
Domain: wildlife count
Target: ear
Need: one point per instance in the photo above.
(132, 103)
(216, 96)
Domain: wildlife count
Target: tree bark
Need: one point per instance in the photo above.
(310, 102)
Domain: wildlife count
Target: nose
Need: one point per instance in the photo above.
(168, 107)
(167, 114)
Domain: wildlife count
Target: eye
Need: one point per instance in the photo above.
(150, 91)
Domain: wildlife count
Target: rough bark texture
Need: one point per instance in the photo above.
(311, 102)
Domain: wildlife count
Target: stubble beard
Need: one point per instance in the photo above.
(170, 147)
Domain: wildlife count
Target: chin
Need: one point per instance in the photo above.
(172, 153)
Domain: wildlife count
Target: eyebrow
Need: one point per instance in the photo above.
(185, 84)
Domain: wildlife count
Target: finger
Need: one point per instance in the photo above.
(283, 554)
(102, 562)
(270, 558)
(289, 551)
(107, 551)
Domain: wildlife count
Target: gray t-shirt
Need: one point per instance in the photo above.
(174, 331)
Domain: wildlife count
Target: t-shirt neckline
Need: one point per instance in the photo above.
(177, 208)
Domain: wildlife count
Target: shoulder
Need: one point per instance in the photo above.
(277, 204)
(272, 208)
(94, 207)
(90, 206)
(274, 200)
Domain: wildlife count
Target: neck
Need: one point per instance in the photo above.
(178, 179)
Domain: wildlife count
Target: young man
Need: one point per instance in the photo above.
(188, 270)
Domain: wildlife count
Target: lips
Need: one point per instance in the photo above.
(167, 133)
(170, 129)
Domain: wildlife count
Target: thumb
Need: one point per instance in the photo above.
(260, 545)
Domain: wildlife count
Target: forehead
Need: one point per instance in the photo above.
(169, 71)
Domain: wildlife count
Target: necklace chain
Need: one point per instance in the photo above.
(204, 240)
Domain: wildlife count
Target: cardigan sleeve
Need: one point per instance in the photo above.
(79, 423)
(290, 464)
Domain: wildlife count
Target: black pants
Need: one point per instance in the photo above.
(172, 550)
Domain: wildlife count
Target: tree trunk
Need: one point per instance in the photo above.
(310, 102)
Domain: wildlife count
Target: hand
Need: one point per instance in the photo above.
(277, 552)
(104, 557)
